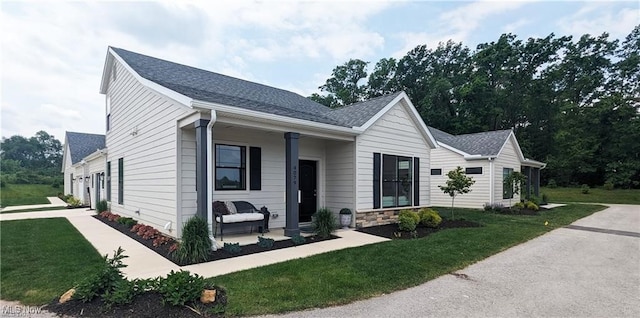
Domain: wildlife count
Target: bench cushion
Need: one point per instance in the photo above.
(241, 217)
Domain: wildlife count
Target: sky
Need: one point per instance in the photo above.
(53, 52)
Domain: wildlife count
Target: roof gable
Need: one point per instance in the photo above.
(81, 145)
(488, 143)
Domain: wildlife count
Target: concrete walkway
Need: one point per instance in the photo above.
(54, 202)
(568, 272)
(144, 263)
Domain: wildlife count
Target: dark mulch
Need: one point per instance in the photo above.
(148, 304)
(391, 231)
(511, 211)
(163, 250)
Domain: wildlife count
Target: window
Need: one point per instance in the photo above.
(120, 180)
(397, 185)
(71, 183)
(507, 191)
(230, 167)
(108, 111)
(436, 172)
(109, 181)
(474, 170)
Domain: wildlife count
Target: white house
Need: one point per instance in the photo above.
(179, 138)
(83, 166)
(487, 157)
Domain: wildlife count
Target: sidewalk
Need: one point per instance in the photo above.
(145, 263)
(55, 202)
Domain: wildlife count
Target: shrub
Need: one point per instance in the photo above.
(608, 185)
(195, 245)
(545, 198)
(429, 218)
(498, 207)
(324, 223)
(298, 239)
(487, 206)
(265, 242)
(532, 206)
(179, 288)
(127, 221)
(552, 184)
(105, 280)
(519, 205)
(73, 202)
(406, 222)
(232, 248)
(102, 206)
(2, 184)
(412, 214)
(584, 189)
(535, 199)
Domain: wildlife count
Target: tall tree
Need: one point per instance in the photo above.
(344, 86)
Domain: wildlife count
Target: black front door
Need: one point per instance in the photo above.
(308, 189)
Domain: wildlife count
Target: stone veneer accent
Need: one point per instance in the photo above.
(373, 218)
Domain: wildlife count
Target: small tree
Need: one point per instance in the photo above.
(514, 182)
(458, 183)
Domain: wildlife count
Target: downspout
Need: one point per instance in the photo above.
(491, 180)
(210, 220)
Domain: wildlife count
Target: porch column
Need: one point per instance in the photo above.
(201, 167)
(527, 172)
(291, 170)
(536, 185)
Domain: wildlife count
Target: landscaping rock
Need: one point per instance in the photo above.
(208, 296)
(67, 296)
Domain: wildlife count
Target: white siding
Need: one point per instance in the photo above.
(448, 160)
(68, 171)
(395, 133)
(340, 175)
(508, 158)
(187, 182)
(143, 131)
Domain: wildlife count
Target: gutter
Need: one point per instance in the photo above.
(212, 121)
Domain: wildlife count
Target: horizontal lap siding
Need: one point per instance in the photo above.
(149, 156)
(448, 160)
(339, 184)
(508, 158)
(188, 199)
(395, 134)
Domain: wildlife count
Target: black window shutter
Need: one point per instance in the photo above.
(255, 168)
(416, 181)
(376, 180)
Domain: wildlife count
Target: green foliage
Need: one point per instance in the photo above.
(129, 222)
(585, 189)
(552, 184)
(408, 220)
(458, 183)
(298, 239)
(324, 223)
(196, 244)
(265, 242)
(608, 185)
(545, 198)
(180, 288)
(342, 86)
(429, 217)
(519, 205)
(34, 160)
(232, 248)
(102, 206)
(531, 206)
(74, 202)
(105, 280)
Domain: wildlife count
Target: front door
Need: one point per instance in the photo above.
(97, 188)
(308, 189)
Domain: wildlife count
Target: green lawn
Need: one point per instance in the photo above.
(42, 258)
(597, 195)
(24, 194)
(35, 210)
(345, 276)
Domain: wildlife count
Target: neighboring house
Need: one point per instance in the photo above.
(488, 157)
(83, 163)
(179, 138)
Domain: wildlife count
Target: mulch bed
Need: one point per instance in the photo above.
(163, 250)
(511, 211)
(148, 305)
(391, 231)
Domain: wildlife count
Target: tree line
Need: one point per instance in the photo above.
(34, 160)
(572, 103)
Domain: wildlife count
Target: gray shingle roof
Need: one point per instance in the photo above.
(485, 143)
(82, 145)
(212, 87)
(359, 113)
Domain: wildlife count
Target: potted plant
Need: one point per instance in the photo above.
(345, 218)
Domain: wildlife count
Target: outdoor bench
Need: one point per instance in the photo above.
(245, 214)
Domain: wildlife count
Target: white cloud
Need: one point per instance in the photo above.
(596, 17)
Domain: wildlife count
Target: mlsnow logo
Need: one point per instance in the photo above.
(20, 311)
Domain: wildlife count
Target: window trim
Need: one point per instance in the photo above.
(506, 192)
(121, 181)
(397, 183)
(242, 169)
(473, 170)
(436, 172)
(109, 181)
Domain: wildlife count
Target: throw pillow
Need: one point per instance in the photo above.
(220, 207)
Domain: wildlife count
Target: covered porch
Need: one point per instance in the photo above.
(531, 170)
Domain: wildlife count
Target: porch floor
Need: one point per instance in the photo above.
(245, 238)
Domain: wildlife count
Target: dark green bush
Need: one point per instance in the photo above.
(324, 223)
(584, 189)
(102, 206)
(552, 184)
(545, 199)
(265, 242)
(232, 248)
(608, 185)
(195, 244)
(105, 281)
(298, 239)
(179, 288)
(127, 221)
(407, 220)
(429, 218)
